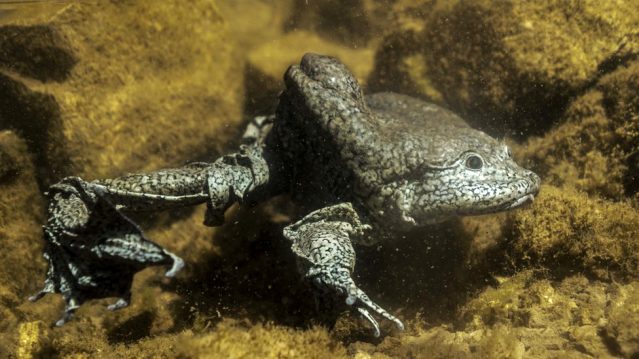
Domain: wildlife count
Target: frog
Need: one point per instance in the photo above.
(361, 168)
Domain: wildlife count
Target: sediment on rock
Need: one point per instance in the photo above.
(20, 218)
(595, 147)
(108, 90)
(567, 231)
(511, 68)
(266, 65)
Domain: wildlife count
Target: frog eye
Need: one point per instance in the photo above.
(474, 162)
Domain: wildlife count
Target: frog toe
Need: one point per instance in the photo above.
(363, 304)
(367, 315)
(120, 303)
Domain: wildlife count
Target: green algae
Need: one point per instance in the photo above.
(599, 132)
(567, 230)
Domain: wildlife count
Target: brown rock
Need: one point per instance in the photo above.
(518, 63)
(595, 148)
(121, 86)
(267, 64)
(622, 323)
(256, 22)
(566, 231)
(21, 205)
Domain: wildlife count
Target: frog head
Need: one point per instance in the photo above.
(479, 176)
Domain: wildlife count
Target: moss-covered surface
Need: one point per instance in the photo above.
(267, 64)
(512, 67)
(117, 92)
(258, 341)
(595, 147)
(20, 219)
(125, 86)
(567, 229)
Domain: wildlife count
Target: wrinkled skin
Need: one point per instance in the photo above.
(352, 162)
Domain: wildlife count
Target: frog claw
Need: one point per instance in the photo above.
(338, 281)
(178, 264)
(361, 301)
(71, 306)
(65, 318)
(120, 303)
(367, 315)
(363, 298)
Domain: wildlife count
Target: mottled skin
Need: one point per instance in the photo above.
(362, 168)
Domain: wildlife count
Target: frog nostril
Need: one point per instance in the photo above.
(535, 182)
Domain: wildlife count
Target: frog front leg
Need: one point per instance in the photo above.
(322, 243)
(94, 249)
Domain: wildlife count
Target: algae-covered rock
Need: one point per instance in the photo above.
(552, 318)
(144, 86)
(33, 340)
(525, 316)
(267, 64)
(359, 23)
(521, 61)
(443, 342)
(400, 59)
(622, 325)
(595, 147)
(530, 301)
(231, 340)
(566, 230)
(20, 216)
(256, 22)
(512, 66)
(349, 23)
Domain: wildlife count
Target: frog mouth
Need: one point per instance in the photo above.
(521, 201)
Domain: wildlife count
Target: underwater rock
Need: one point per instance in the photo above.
(622, 326)
(442, 342)
(124, 92)
(34, 116)
(358, 23)
(35, 51)
(33, 340)
(552, 318)
(348, 23)
(21, 208)
(255, 22)
(529, 300)
(595, 147)
(513, 66)
(234, 340)
(267, 63)
(567, 231)
(400, 59)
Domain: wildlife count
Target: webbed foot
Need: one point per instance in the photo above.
(94, 250)
(322, 243)
(338, 281)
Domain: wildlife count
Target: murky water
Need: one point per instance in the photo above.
(102, 89)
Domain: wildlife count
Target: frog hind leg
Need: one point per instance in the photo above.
(322, 243)
(94, 249)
